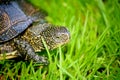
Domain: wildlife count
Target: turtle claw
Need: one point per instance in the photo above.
(41, 59)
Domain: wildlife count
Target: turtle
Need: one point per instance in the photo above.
(23, 32)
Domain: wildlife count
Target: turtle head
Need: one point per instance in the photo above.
(55, 36)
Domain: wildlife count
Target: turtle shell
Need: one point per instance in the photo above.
(13, 21)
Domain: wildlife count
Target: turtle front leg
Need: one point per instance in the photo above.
(27, 51)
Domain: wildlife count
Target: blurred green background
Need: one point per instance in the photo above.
(93, 52)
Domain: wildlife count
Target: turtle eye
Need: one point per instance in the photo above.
(57, 37)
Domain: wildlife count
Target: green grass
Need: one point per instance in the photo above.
(94, 48)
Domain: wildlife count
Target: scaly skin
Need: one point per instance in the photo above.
(53, 36)
(31, 41)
